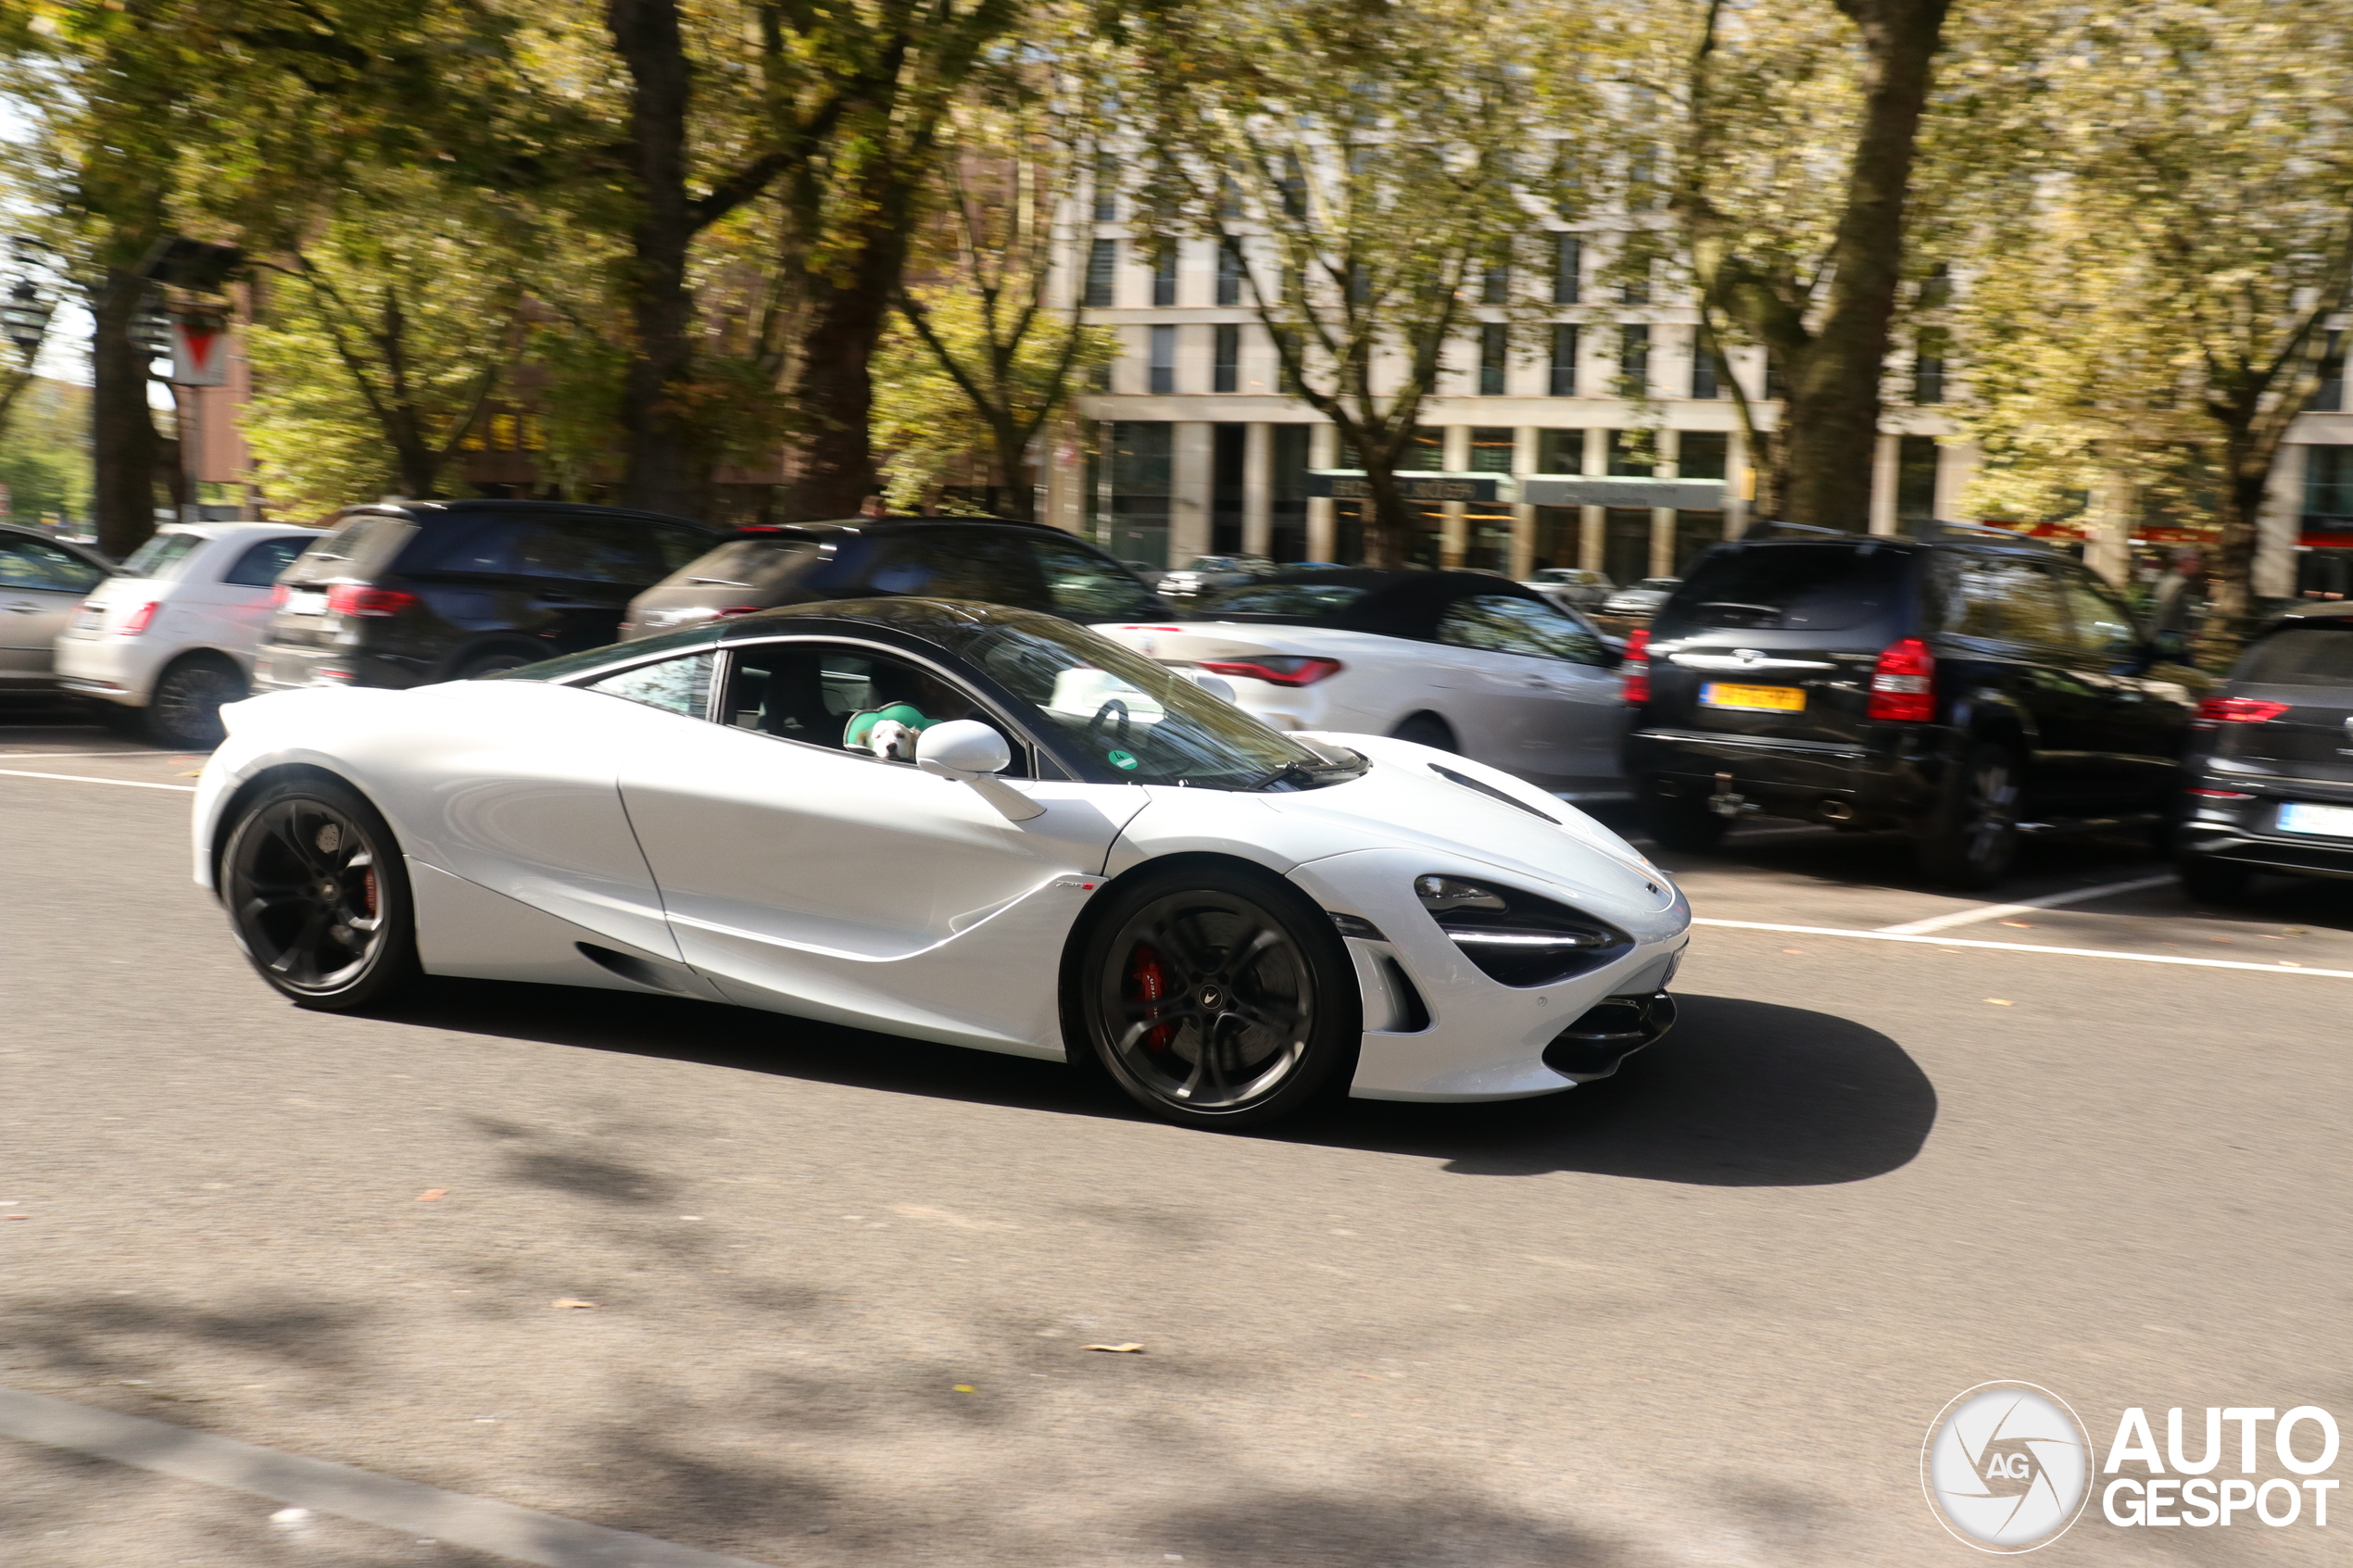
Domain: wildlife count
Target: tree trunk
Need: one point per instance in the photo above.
(125, 448)
(1006, 478)
(662, 471)
(1832, 417)
(833, 390)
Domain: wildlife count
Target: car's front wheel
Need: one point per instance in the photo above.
(318, 896)
(1218, 996)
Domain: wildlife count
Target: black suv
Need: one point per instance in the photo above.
(2270, 775)
(413, 591)
(1026, 565)
(1961, 688)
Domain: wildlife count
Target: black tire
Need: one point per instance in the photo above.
(1218, 996)
(497, 661)
(1684, 825)
(319, 897)
(2214, 882)
(183, 712)
(1971, 837)
(1428, 729)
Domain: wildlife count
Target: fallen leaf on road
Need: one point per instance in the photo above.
(1999, 1003)
(966, 1389)
(563, 1302)
(2019, 924)
(28, 1216)
(433, 1194)
(1116, 1350)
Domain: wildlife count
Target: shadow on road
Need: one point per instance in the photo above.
(1742, 1094)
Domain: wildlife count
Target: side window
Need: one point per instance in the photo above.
(985, 564)
(2103, 627)
(1080, 585)
(28, 563)
(589, 549)
(847, 700)
(676, 685)
(260, 566)
(1999, 598)
(1502, 623)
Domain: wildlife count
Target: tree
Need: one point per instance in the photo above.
(1363, 170)
(1805, 266)
(45, 451)
(985, 360)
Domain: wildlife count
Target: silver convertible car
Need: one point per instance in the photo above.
(956, 822)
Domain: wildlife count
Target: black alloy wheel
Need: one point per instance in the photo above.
(1219, 997)
(1972, 835)
(185, 711)
(318, 897)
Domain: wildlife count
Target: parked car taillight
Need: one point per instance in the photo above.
(2219, 711)
(279, 595)
(1904, 684)
(350, 599)
(1275, 669)
(1637, 665)
(139, 620)
(732, 610)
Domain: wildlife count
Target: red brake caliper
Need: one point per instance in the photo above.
(1147, 982)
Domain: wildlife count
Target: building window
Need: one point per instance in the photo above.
(1626, 544)
(1132, 505)
(1633, 361)
(1227, 444)
(1568, 260)
(1165, 273)
(1106, 188)
(1288, 485)
(1630, 454)
(1560, 451)
(1229, 274)
(2329, 396)
(1229, 196)
(1636, 289)
(1163, 360)
(1702, 454)
(1494, 350)
(1776, 376)
(1426, 452)
(2328, 487)
(1915, 478)
(1936, 289)
(1704, 383)
(1226, 361)
(1103, 274)
(1928, 365)
(1564, 375)
(1490, 449)
(1293, 186)
(1495, 286)
(1099, 377)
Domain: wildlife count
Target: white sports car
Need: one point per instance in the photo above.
(1461, 660)
(954, 822)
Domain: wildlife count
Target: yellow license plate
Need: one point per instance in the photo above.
(1760, 699)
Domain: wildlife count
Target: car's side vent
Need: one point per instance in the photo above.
(642, 971)
(1490, 791)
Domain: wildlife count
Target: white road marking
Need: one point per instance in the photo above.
(523, 1534)
(48, 756)
(2024, 948)
(2050, 901)
(84, 778)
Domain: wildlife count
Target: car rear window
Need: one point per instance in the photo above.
(160, 558)
(363, 546)
(1789, 588)
(1284, 598)
(2300, 656)
(260, 566)
(757, 564)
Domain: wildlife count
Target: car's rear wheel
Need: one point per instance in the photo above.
(1971, 837)
(1218, 997)
(1684, 825)
(2215, 882)
(184, 711)
(318, 896)
(1428, 729)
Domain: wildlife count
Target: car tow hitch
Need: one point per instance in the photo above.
(1725, 803)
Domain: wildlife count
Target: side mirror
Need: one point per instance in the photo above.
(1216, 685)
(969, 752)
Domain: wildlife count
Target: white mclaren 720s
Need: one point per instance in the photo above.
(955, 821)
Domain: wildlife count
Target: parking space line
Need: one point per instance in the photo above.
(2024, 948)
(84, 778)
(525, 1535)
(43, 755)
(2050, 901)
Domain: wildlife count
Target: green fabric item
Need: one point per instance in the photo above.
(863, 725)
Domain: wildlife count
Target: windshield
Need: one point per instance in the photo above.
(1788, 588)
(1130, 720)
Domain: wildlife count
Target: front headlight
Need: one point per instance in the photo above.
(1516, 937)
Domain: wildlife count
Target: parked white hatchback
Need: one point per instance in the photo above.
(1462, 661)
(170, 637)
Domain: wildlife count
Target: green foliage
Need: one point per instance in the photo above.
(45, 452)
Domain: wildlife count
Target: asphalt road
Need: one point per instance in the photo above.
(1701, 1314)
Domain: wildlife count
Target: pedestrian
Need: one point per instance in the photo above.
(2180, 595)
(873, 506)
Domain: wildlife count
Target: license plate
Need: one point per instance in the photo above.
(2334, 821)
(307, 601)
(1754, 699)
(91, 618)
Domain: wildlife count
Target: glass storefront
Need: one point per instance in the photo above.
(1132, 491)
(1626, 544)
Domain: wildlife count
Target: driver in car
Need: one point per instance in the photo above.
(888, 730)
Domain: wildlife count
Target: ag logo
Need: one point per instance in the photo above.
(2006, 1467)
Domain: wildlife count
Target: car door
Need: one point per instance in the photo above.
(833, 882)
(2142, 723)
(580, 572)
(41, 586)
(2010, 610)
(1547, 682)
